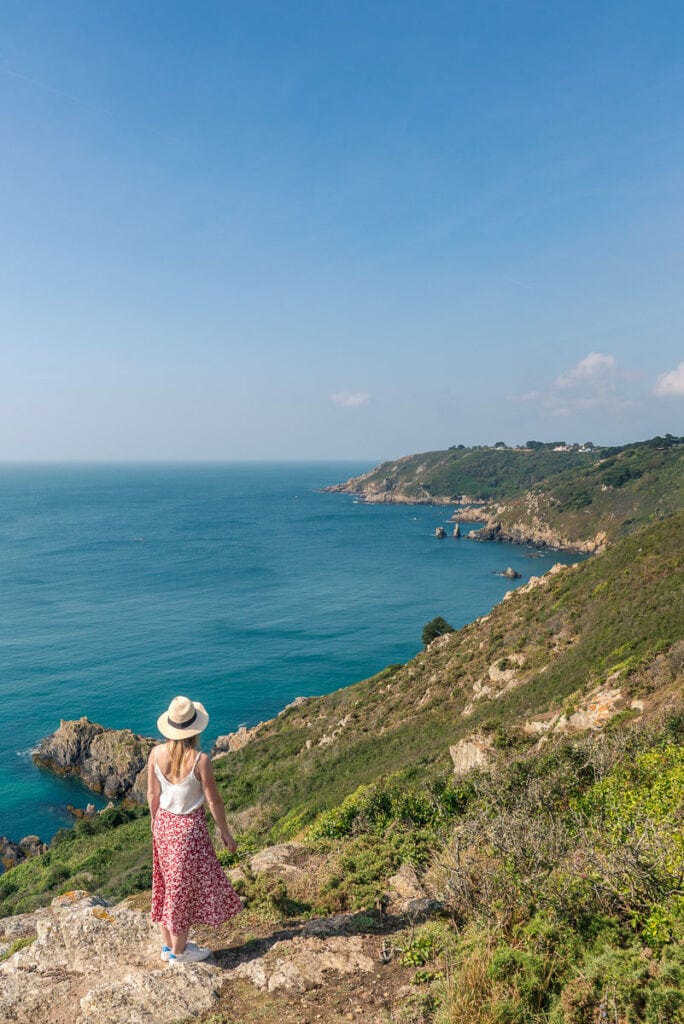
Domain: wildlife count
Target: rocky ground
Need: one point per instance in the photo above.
(84, 961)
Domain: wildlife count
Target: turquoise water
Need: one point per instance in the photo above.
(238, 585)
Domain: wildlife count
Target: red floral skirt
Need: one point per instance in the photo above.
(188, 883)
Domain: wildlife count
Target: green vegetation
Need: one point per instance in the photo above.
(434, 628)
(557, 869)
(572, 495)
(484, 474)
(372, 760)
(109, 854)
(628, 488)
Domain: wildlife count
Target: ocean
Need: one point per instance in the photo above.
(240, 585)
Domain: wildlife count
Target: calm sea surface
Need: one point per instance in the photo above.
(239, 585)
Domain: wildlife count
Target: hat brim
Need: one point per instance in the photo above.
(172, 733)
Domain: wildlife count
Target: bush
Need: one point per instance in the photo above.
(434, 628)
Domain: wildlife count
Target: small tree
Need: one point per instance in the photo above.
(434, 628)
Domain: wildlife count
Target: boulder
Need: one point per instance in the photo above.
(405, 885)
(306, 962)
(12, 853)
(475, 752)
(109, 761)
(284, 860)
(235, 740)
(94, 963)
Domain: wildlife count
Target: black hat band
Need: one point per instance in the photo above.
(182, 725)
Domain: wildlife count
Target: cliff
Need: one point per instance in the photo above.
(578, 501)
(494, 825)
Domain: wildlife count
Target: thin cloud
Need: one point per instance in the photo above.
(594, 383)
(86, 104)
(594, 367)
(670, 383)
(350, 399)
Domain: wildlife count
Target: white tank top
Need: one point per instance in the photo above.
(182, 797)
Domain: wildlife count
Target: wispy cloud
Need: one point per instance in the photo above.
(596, 382)
(86, 104)
(671, 383)
(350, 399)
(594, 368)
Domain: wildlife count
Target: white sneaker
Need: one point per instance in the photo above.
(190, 955)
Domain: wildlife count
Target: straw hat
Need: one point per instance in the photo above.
(185, 718)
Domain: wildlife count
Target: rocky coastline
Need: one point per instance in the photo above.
(108, 761)
(538, 536)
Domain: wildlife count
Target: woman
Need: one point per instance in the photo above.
(188, 883)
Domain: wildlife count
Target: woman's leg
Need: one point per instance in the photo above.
(165, 935)
(178, 942)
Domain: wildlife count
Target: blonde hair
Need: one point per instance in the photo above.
(177, 751)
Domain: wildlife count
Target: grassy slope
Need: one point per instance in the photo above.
(565, 499)
(636, 485)
(615, 613)
(482, 473)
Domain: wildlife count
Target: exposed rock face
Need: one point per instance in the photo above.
(92, 963)
(405, 887)
(538, 534)
(475, 752)
(284, 860)
(12, 854)
(109, 761)
(592, 714)
(235, 740)
(306, 961)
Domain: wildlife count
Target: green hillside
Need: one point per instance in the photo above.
(481, 474)
(528, 769)
(622, 490)
(616, 617)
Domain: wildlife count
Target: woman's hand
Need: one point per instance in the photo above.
(229, 842)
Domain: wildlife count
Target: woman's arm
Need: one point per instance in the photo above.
(211, 792)
(153, 786)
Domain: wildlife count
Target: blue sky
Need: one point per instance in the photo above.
(338, 230)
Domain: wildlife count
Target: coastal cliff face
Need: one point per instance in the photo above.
(573, 501)
(539, 535)
(109, 761)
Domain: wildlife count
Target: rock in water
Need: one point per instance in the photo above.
(109, 761)
(12, 854)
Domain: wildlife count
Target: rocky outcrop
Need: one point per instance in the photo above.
(285, 860)
(538, 534)
(12, 854)
(235, 740)
(405, 888)
(109, 761)
(474, 752)
(307, 961)
(591, 714)
(94, 963)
